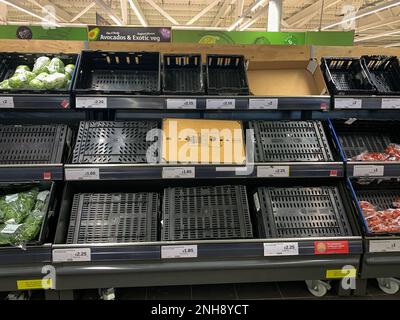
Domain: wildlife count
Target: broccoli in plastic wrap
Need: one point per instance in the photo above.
(17, 206)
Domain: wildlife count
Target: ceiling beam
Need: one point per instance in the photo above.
(220, 14)
(261, 13)
(162, 12)
(80, 14)
(16, 5)
(114, 17)
(124, 10)
(203, 12)
(377, 24)
(3, 13)
(377, 36)
(253, 7)
(137, 9)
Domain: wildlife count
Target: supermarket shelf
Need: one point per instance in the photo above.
(35, 101)
(31, 172)
(32, 254)
(374, 169)
(372, 102)
(202, 102)
(74, 172)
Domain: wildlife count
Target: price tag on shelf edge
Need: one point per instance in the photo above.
(178, 172)
(91, 102)
(348, 103)
(263, 104)
(390, 103)
(281, 249)
(181, 103)
(273, 171)
(6, 102)
(220, 103)
(384, 246)
(82, 174)
(183, 251)
(368, 171)
(71, 255)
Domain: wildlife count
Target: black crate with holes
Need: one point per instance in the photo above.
(105, 72)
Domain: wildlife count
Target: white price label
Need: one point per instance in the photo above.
(71, 255)
(263, 104)
(220, 104)
(91, 102)
(181, 103)
(368, 171)
(281, 249)
(178, 172)
(384, 246)
(390, 103)
(348, 103)
(6, 102)
(82, 174)
(10, 228)
(184, 251)
(273, 171)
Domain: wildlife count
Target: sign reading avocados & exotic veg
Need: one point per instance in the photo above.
(132, 34)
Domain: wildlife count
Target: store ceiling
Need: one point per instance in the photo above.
(378, 24)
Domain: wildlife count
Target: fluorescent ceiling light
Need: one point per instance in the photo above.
(366, 13)
(29, 12)
(138, 14)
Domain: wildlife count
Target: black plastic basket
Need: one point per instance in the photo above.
(384, 73)
(198, 213)
(300, 212)
(346, 76)
(33, 144)
(366, 135)
(182, 74)
(226, 75)
(115, 142)
(290, 141)
(113, 218)
(118, 73)
(12, 60)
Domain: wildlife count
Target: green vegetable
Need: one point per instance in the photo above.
(70, 69)
(36, 84)
(30, 75)
(4, 84)
(67, 76)
(41, 65)
(19, 80)
(42, 76)
(56, 66)
(55, 81)
(17, 206)
(23, 67)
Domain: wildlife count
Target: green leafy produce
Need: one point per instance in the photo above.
(4, 84)
(70, 69)
(41, 65)
(36, 84)
(23, 67)
(55, 81)
(17, 206)
(30, 75)
(42, 76)
(56, 66)
(67, 76)
(19, 80)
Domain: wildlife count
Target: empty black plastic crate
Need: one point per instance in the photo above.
(115, 142)
(182, 74)
(226, 75)
(118, 73)
(366, 135)
(299, 212)
(10, 61)
(113, 218)
(384, 73)
(32, 144)
(198, 213)
(290, 141)
(346, 76)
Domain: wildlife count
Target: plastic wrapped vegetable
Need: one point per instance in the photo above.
(56, 66)
(41, 65)
(23, 67)
(394, 151)
(4, 85)
(69, 68)
(371, 156)
(30, 75)
(42, 76)
(19, 80)
(36, 84)
(17, 206)
(55, 81)
(8, 231)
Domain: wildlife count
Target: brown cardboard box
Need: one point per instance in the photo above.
(203, 141)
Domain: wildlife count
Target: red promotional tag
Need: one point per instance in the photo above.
(46, 175)
(333, 173)
(331, 247)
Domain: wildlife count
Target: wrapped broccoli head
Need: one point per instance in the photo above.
(30, 75)
(42, 76)
(4, 84)
(41, 65)
(56, 66)
(55, 81)
(19, 80)
(69, 68)
(17, 206)
(22, 67)
(36, 84)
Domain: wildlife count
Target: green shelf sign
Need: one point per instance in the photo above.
(40, 33)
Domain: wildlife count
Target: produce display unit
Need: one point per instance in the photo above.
(381, 258)
(34, 99)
